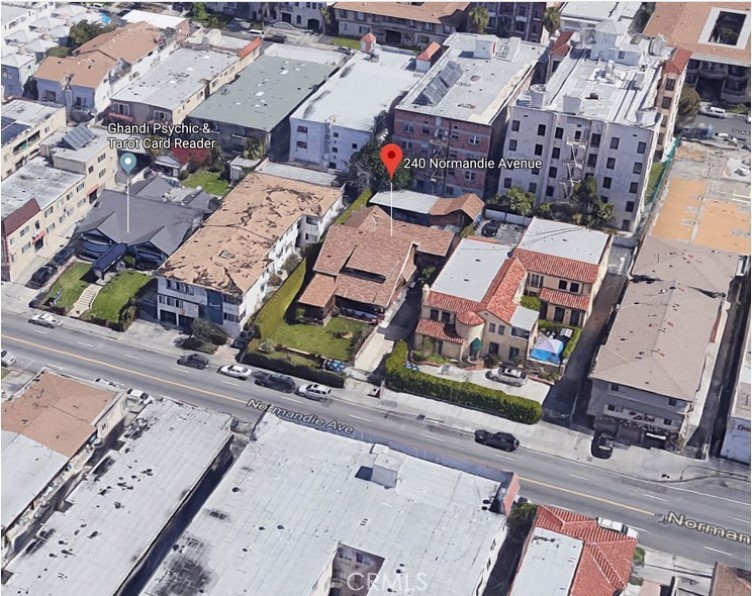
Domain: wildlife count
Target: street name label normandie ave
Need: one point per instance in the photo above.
(685, 522)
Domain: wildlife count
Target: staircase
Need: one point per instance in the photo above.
(85, 300)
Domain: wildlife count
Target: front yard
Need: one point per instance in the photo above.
(335, 340)
(72, 284)
(353, 44)
(211, 182)
(116, 294)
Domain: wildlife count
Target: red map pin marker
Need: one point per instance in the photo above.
(391, 156)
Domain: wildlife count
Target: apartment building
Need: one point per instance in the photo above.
(577, 16)
(329, 128)
(403, 24)
(595, 116)
(181, 24)
(17, 69)
(454, 118)
(518, 19)
(566, 265)
(473, 308)
(224, 271)
(25, 125)
(19, 15)
(304, 15)
(395, 515)
(669, 93)
(175, 87)
(718, 36)
(85, 82)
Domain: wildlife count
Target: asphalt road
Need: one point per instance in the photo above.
(735, 125)
(545, 478)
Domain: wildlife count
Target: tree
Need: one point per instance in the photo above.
(84, 31)
(521, 516)
(545, 210)
(30, 89)
(215, 22)
(520, 202)
(326, 17)
(254, 149)
(198, 11)
(603, 213)
(689, 106)
(591, 211)
(58, 52)
(478, 19)
(551, 19)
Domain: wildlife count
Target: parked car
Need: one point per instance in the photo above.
(602, 446)
(314, 391)
(490, 229)
(107, 383)
(237, 371)
(138, 394)
(194, 361)
(42, 275)
(45, 320)
(275, 381)
(713, 112)
(7, 358)
(508, 375)
(500, 440)
(61, 257)
(276, 38)
(617, 527)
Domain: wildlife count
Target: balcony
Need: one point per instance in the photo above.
(714, 71)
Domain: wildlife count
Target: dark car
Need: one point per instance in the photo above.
(194, 361)
(274, 381)
(61, 257)
(505, 441)
(276, 38)
(42, 275)
(602, 446)
(490, 229)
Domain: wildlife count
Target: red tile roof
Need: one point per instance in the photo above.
(678, 61)
(565, 299)
(470, 204)
(368, 38)
(561, 45)
(468, 317)
(606, 560)
(429, 52)
(319, 291)
(536, 262)
(20, 216)
(438, 330)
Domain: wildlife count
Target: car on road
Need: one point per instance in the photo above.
(314, 391)
(61, 257)
(490, 229)
(747, 119)
(236, 371)
(42, 275)
(276, 38)
(602, 446)
(194, 361)
(275, 381)
(500, 440)
(7, 358)
(45, 320)
(107, 383)
(344, 50)
(713, 112)
(508, 375)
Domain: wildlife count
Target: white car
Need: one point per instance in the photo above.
(45, 320)
(713, 112)
(508, 375)
(7, 358)
(107, 383)
(317, 392)
(138, 394)
(618, 527)
(236, 371)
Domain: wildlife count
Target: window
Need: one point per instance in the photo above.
(614, 142)
(425, 130)
(667, 421)
(574, 288)
(434, 316)
(595, 140)
(539, 149)
(555, 153)
(455, 134)
(500, 330)
(670, 84)
(474, 140)
(536, 281)
(562, 284)
(492, 327)
(532, 187)
(577, 135)
(671, 402)
(469, 175)
(552, 172)
(630, 207)
(103, 173)
(517, 332)
(513, 145)
(535, 171)
(611, 407)
(549, 191)
(621, 55)
(559, 132)
(303, 129)
(607, 182)
(592, 159)
(335, 150)
(101, 158)
(301, 145)
(641, 147)
(610, 163)
(507, 183)
(405, 127)
(637, 169)
(666, 103)
(615, 387)
(515, 125)
(633, 187)
(625, 224)
(359, 558)
(575, 318)
(91, 169)
(541, 130)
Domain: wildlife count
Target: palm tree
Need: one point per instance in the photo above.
(478, 19)
(551, 19)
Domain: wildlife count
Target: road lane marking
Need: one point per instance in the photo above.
(297, 401)
(425, 435)
(230, 383)
(654, 497)
(715, 550)
(579, 477)
(182, 370)
(694, 492)
(131, 356)
(83, 343)
(125, 370)
(587, 496)
(39, 331)
(744, 521)
(358, 417)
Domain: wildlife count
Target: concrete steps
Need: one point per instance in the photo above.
(85, 300)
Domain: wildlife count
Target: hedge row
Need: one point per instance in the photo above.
(358, 203)
(273, 312)
(301, 371)
(399, 378)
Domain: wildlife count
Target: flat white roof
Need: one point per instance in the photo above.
(548, 565)
(560, 239)
(180, 76)
(29, 112)
(36, 180)
(416, 202)
(123, 504)
(160, 20)
(274, 524)
(594, 12)
(470, 270)
(361, 90)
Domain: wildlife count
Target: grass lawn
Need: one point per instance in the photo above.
(209, 181)
(353, 44)
(655, 173)
(115, 295)
(72, 284)
(316, 339)
(4, 373)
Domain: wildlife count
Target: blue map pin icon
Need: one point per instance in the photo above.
(127, 162)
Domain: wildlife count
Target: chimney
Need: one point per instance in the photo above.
(368, 43)
(538, 96)
(572, 104)
(385, 470)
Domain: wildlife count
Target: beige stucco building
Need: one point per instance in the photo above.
(28, 124)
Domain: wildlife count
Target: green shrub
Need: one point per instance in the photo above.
(129, 261)
(207, 332)
(301, 371)
(127, 316)
(194, 343)
(358, 203)
(273, 312)
(491, 360)
(399, 378)
(531, 302)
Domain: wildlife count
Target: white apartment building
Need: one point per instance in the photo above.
(329, 127)
(595, 116)
(25, 125)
